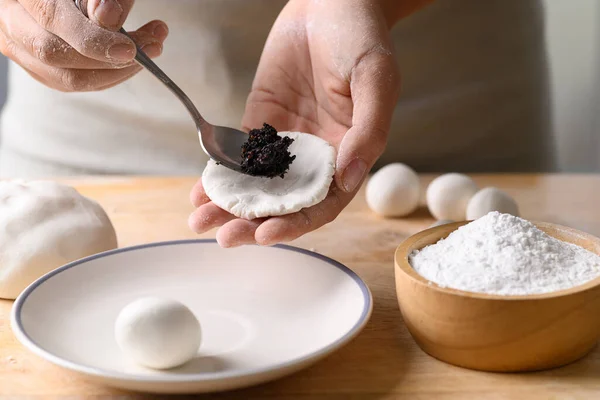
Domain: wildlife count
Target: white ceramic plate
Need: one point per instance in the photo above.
(265, 312)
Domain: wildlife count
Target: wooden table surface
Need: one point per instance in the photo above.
(383, 362)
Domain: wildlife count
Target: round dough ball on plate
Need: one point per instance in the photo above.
(305, 184)
(158, 333)
(44, 225)
(393, 191)
(448, 196)
(491, 199)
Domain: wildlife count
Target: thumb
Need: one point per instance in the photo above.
(110, 14)
(374, 87)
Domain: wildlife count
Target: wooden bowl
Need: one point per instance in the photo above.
(494, 332)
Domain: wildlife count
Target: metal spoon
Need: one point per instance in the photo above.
(221, 143)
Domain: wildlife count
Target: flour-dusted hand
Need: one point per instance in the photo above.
(60, 47)
(327, 69)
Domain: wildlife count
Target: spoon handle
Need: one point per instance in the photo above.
(145, 61)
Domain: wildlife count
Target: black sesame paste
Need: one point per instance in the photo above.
(265, 153)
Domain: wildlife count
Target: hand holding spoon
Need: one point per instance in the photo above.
(220, 143)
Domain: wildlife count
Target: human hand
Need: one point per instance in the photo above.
(63, 49)
(327, 69)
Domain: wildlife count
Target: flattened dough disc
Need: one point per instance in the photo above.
(304, 185)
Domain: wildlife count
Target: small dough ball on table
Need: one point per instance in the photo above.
(448, 196)
(44, 225)
(158, 333)
(394, 190)
(305, 184)
(491, 199)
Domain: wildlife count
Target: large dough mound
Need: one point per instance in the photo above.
(44, 225)
(304, 185)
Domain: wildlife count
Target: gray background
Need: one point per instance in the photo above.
(573, 43)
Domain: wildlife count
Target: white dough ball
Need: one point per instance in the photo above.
(491, 199)
(44, 225)
(393, 191)
(448, 196)
(158, 333)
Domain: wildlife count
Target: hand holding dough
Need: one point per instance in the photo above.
(44, 225)
(351, 114)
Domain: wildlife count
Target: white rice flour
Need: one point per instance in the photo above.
(505, 255)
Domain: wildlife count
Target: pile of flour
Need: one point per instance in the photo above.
(506, 255)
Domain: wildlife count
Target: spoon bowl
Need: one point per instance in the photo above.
(222, 144)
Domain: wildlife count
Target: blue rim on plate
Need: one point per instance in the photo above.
(17, 325)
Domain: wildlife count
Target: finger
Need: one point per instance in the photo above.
(375, 85)
(70, 80)
(238, 232)
(6, 46)
(110, 14)
(289, 227)
(65, 20)
(197, 195)
(10, 50)
(151, 37)
(53, 51)
(207, 217)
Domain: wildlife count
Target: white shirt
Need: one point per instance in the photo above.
(474, 93)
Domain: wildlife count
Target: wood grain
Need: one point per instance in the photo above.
(383, 362)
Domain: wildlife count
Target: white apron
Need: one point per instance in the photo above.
(474, 94)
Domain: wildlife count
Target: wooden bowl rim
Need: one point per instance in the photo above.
(402, 264)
